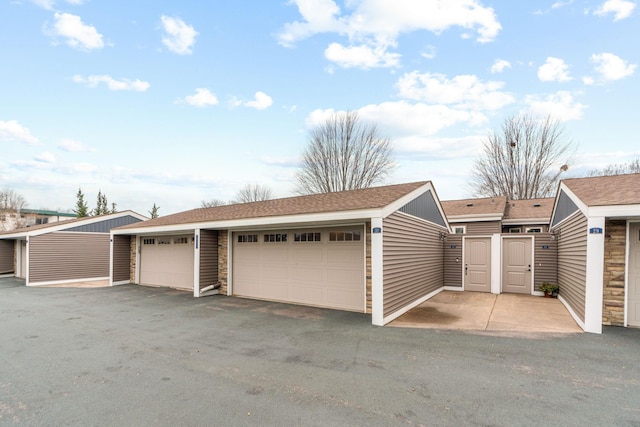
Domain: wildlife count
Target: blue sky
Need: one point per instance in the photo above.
(177, 102)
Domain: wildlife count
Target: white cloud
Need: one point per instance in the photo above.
(499, 66)
(620, 9)
(49, 4)
(429, 52)
(560, 105)
(554, 70)
(587, 80)
(612, 67)
(361, 56)
(373, 26)
(78, 34)
(45, 4)
(14, 131)
(402, 118)
(465, 91)
(179, 37)
(261, 101)
(202, 98)
(72, 146)
(45, 157)
(412, 127)
(112, 84)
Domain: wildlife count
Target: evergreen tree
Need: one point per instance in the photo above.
(154, 211)
(81, 209)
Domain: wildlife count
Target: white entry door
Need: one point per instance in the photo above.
(516, 265)
(477, 264)
(633, 310)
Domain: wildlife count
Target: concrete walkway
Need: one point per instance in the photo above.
(514, 313)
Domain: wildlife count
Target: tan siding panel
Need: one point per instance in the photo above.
(6, 256)
(121, 258)
(208, 258)
(545, 259)
(412, 260)
(453, 260)
(572, 262)
(68, 256)
(480, 227)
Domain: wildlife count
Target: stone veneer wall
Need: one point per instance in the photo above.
(223, 264)
(614, 272)
(132, 260)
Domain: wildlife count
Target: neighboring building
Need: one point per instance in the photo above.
(597, 224)
(11, 219)
(64, 251)
(375, 250)
(475, 216)
(499, 245)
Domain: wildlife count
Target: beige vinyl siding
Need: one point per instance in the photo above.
(572, 262)
(6, 256)
(412, 260)
(480, 227)
(545, 258)
(208, 258)
(121, 258)
(68, 256)
(453, 260)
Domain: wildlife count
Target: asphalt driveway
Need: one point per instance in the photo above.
(132, 355)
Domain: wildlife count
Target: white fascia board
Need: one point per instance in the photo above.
(526, 221)
(288, 220)
(474, 218)
(615, 211)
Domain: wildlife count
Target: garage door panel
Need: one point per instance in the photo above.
(343, 298)
(306, 274)
(164, 263)
(347, 278)
(315, 272)
(275, 254)
(274, 291)
(344, 255)
(306, 294)
(307, 254)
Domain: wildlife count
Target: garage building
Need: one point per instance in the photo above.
(377, 250)
(62, 252)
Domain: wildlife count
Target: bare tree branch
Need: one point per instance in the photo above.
(523, 161)
(252, 193)
(344, 154)
(618, 169)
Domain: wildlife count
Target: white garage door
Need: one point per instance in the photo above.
(167, 261)
(320, 267)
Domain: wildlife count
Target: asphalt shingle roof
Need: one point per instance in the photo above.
(484, 206)
(529, 209)
(368, 198)
(606, 190)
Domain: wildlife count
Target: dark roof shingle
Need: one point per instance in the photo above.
(368, 198)
(606, 190)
